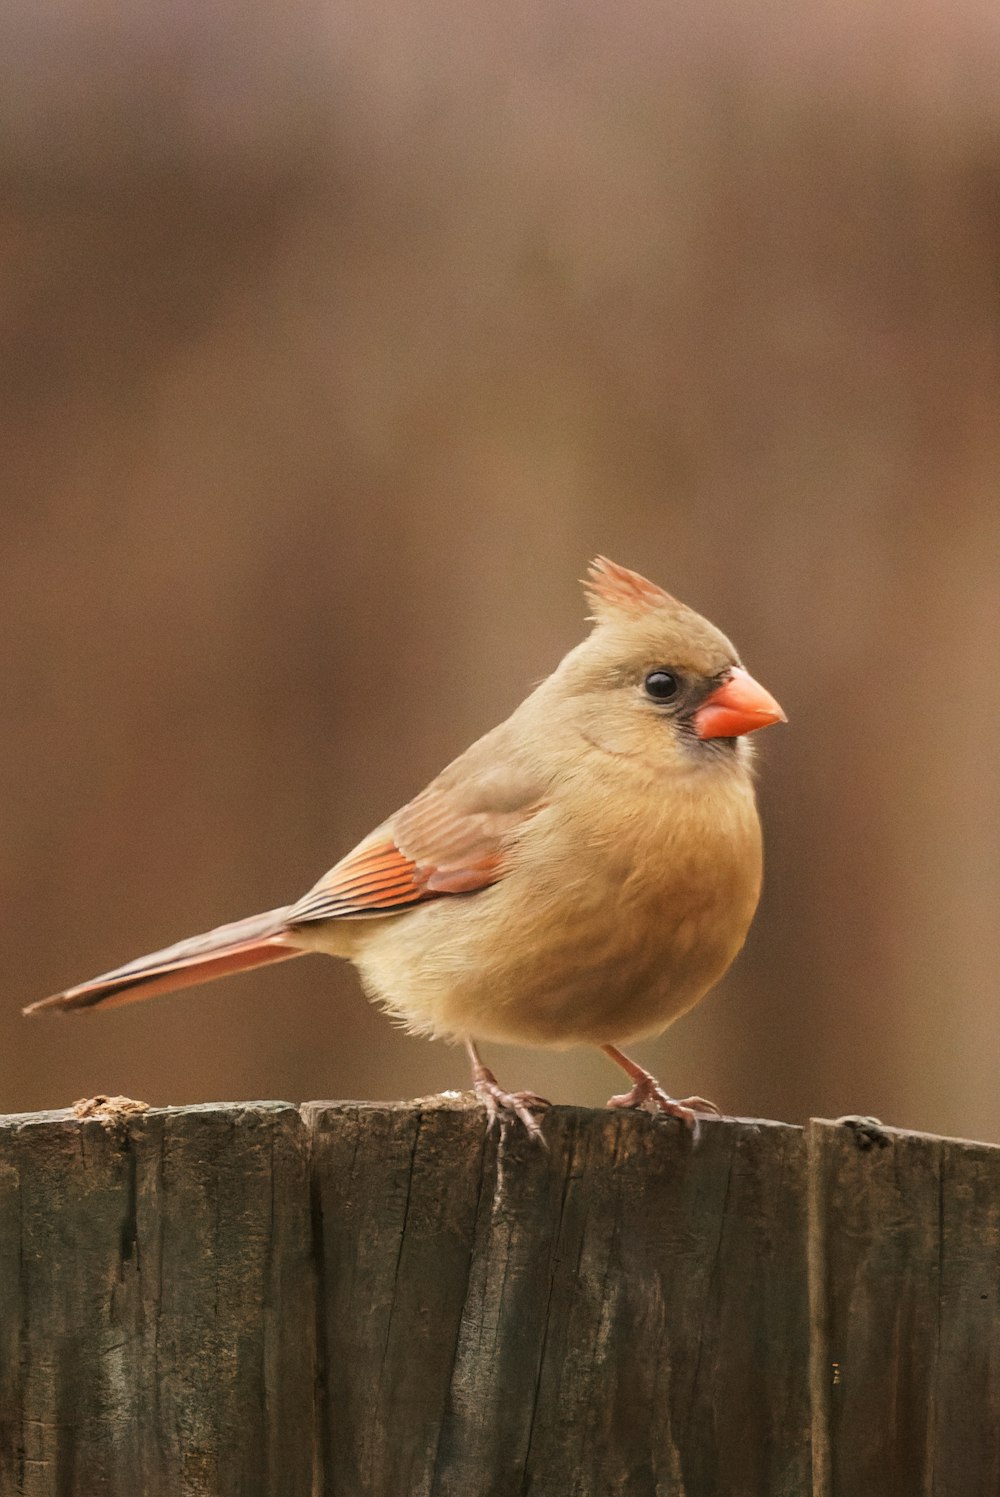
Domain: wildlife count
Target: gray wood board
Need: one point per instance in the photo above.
(352, 1300)
(626, 1313)
(156, 1305)
(905, 1287)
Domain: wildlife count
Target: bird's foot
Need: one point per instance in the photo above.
(648, 1093)
(502, 1106)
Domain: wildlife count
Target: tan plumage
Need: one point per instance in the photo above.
(582, 874)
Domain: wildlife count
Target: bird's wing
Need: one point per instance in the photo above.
(454, 838)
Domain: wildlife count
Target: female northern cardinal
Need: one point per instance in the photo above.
(581, 875)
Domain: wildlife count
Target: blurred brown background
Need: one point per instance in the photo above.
(336, 339)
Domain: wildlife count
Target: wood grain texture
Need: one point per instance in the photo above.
(905, 1289)
(156, 1305)
(625, 1314)
(352, 1300)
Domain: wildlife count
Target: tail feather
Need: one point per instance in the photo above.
(229, 948)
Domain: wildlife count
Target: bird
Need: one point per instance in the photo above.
(583, 874)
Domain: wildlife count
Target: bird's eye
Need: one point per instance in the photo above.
(661, 686)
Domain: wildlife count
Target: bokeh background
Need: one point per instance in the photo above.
(336, 339)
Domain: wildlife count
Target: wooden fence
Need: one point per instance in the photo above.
(348, 1300)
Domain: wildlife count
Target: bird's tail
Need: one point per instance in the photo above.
(228, 948)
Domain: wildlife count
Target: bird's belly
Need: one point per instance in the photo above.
(583, 968)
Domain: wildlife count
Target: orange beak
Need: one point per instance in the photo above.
(740, 705)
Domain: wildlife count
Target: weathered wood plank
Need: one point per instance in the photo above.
(156, 1305)
(905, 1269)
(626, 1314)
(364, 1300)
(395, 1192)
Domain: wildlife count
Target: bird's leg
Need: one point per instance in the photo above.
(500, 1105)
(646, 1089)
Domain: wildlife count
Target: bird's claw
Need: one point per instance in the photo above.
(502, 1105)
(648, 1091)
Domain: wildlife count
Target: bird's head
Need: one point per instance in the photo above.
(657, 681)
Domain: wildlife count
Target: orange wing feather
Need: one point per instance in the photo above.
(373, 880)
(380, 879)
(428, 849)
